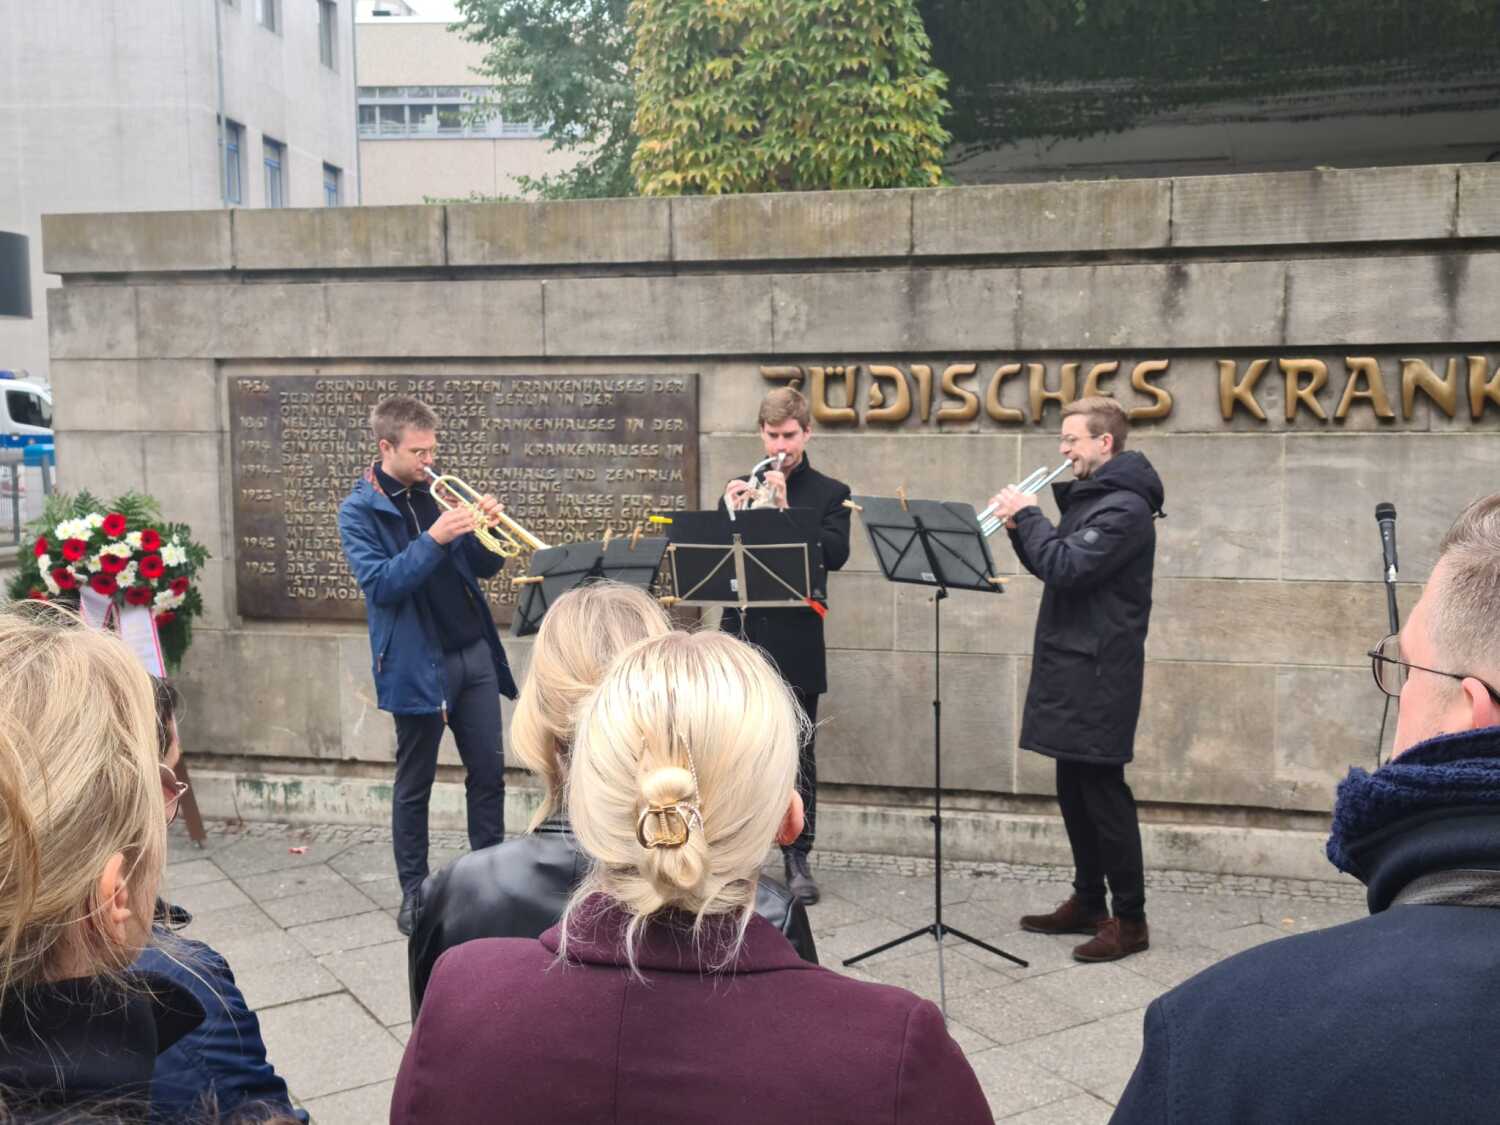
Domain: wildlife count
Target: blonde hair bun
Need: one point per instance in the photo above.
(669, 786)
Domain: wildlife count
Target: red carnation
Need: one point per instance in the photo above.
(74, 549)
(165, 617)
(103, 584)
(152, 567)
(64, 578)
(37, 595)
(138, 595)
(41, 547)
(179, 586)
(111, 564)
(150, 540)
(113, 525)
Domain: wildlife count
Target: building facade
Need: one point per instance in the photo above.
(127, 107)
(420, 136)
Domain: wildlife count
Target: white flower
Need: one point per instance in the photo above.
(44, 563)
(126, 577)
(52, 587)
(95, 519)
(165, 600)
(94, 563)
(134, 540)
(173, 555)
(73, 529)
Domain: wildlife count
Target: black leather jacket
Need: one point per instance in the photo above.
(519, 889)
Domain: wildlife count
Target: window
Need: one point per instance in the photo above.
(268, 14)
(433, 111)
(275, 160)
(331, 180)
(232, 140)
(328, 33)
(27, 409)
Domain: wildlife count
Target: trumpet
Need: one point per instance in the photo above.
(762, 497)
(989, 523)
(500, 534)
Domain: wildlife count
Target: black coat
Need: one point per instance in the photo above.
(1089, 655)
(794, 637)
(519, 889)
(1392, 1018)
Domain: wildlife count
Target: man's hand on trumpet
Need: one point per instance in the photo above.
(460, 520)
(776, 482)
(1010, 500)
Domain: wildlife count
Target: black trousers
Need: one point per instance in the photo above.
(1099, 812)
(474, 718)
(807, 776)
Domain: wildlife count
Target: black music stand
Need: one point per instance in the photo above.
(763, 558)
(632, 559)
(938, 544)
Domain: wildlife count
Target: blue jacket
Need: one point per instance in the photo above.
(222, 1062)
(391, 567)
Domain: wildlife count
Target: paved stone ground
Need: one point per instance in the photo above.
(312, 939)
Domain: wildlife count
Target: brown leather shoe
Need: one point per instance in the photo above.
(1072, 917)
(1117, 937)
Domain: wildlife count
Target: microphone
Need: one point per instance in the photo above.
(1385, 516)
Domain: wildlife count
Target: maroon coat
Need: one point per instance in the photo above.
(508, 1035)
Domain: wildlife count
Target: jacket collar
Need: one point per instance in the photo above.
(75, 1040)
(596, 936)
(367, 491)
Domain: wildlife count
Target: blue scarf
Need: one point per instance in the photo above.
(1452, 771)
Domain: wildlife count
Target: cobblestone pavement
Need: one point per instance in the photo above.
(312, 939)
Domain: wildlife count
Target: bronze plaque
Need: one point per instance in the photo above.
(570, 456)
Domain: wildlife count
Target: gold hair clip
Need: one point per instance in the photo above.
(673, 825)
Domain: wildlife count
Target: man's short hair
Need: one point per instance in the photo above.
(1103, 415)
(1468, 602)
(392, 417)
(784, 403)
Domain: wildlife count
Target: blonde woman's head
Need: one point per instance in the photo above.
(82, 815)
(584, 630)
(703, 723)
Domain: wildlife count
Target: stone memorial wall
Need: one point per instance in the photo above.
(1293, 349)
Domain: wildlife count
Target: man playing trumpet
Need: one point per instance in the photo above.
(794, 636)
(436, 654)
(1087, 665)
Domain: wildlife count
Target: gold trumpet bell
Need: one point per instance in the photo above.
(499, 534)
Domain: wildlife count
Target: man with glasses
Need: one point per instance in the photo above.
(1393, 1017)
(1087, 666)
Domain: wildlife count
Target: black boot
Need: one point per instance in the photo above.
(406, 917)
(799, 879)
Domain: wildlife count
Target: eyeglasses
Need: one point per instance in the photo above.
(1391, 671)
(171, 790)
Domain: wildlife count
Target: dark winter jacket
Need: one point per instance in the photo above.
(1089, 655)
(1390, 1019)
(391, 567)
(519, 889)
(509, 1034)
(794, 637)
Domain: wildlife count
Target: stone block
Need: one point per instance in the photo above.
(366, 733)
(973, 623)
(136, 242)
(861, 613)
(354, 1107)
(896, 310)
(262, 694)
(106, 464)
(701, 314)
(582, 232)
(1392, 300)
(338, 238)
(129, 394)
(1186, 305)
(792, 226)
(1043, 218)
(878, 725)
(424, 318)
(1333, 483)
(1255, 622)
(1098, 1056)
(273, 320)
(92, 322)
(1306, 208)
(1479, 201)
(216, 603)
(729, 394)
(182, 474)
(376, 976)
(327, 1045)
(1327, 719)
(1223, 500)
